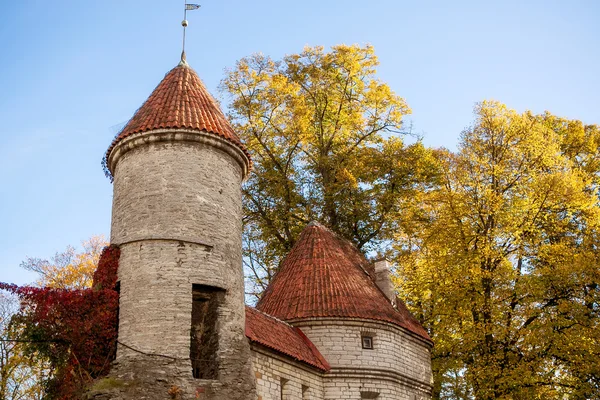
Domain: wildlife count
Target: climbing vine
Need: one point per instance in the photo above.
(75, 330)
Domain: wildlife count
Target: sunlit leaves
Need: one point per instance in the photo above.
(69, 269)
(503, 267)
(20, 374)
(323, 132)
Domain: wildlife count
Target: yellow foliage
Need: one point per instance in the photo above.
(69, 269)
(324, 134)
(501, 262)
(20, 374)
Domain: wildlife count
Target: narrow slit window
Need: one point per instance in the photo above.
(284, 395)
(305, 392)
(204, 334)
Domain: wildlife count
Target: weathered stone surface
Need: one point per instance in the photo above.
(177, 219)
(383, 279)
(397, 368)
(276, 374)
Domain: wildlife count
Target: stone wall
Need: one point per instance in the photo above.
(177, 219)
(398, 366)
(366, 386)
(280, 378)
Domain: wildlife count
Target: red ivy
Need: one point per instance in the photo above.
(105, 276)
(75, 330)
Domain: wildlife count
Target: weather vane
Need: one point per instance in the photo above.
(184, 23)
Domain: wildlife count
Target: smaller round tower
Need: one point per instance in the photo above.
(374, 346)
(177, 218)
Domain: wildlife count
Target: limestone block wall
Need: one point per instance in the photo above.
(176, 188)
(368, 387)
(279, 378)
(399, 363)
(177, 219)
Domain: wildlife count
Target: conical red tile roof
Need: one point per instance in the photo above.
(180, 101)
(326, 276)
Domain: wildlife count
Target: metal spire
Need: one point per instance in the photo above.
(184, 23)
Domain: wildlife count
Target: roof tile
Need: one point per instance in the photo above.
(180, 101)
(283, 338)
(326, 276)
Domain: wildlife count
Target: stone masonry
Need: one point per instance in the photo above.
(177, 220)
(397, 368)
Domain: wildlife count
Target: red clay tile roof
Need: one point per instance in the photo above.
(180, 101)
(326, 276)
(411, 322)
(283, 338)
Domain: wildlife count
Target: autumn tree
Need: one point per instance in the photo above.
(325, 137)
(501, 261)
(19, 374)
(72, 331)
(44, 327)
(69, 269)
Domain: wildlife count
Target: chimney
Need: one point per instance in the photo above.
(383, 279)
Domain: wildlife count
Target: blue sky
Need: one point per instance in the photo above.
(71, 71)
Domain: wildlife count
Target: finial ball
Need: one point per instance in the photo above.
(184, 23)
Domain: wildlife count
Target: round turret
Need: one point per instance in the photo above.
(177, 218)
(374, 346)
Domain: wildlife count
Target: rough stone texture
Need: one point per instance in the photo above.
(177, 219)
(398, 366)
(368, 386)
(280, 378)
(356, 373)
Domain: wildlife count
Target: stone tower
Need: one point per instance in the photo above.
(177, 218)
(347, 308)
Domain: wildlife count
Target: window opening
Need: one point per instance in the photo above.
(369, 395)
(367, 342)
(284, 390)
(204, 334)
(305, 392)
